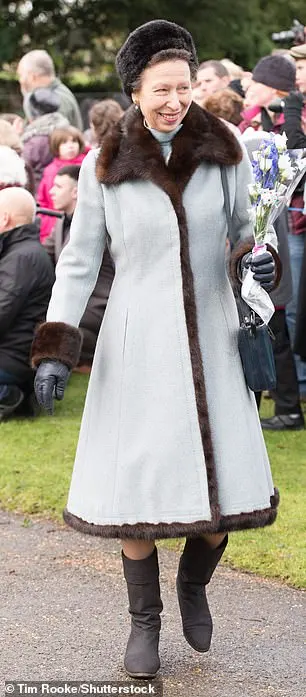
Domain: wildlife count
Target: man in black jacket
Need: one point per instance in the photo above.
(26, 279)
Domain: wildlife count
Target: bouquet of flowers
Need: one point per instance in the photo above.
(277, 171)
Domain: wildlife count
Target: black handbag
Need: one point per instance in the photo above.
(254, 336)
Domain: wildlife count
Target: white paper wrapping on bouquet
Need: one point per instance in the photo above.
(256, 297)
(251, 291)
(271, 238)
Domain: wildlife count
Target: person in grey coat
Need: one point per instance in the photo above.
(170, 442)
(36, 69)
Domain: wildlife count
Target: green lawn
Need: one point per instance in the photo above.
(36, 463)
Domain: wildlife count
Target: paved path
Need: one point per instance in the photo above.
(63, 615)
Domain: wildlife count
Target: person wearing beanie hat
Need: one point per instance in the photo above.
(275, 71)
(44, 118)
(43, 101)
(164, 448)
(274, 78)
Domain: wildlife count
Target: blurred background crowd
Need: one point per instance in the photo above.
(45, 134)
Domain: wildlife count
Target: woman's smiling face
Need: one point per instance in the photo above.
(165, 94)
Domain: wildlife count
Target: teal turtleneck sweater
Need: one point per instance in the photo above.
(165, 140)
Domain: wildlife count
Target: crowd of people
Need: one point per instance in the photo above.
(171, 443)
(42, 150)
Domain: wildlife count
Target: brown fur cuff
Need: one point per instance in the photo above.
(56, 341)
(242, 248)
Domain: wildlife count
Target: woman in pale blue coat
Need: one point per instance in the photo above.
(170, 443)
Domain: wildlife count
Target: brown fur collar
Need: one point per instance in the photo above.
(130, 152)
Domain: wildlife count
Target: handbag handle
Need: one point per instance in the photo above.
(230, 230)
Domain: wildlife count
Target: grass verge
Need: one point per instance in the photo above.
(36, 464)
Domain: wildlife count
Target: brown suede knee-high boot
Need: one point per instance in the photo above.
(196, 567)
(145, 605)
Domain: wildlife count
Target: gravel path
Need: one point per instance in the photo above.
(63, 616)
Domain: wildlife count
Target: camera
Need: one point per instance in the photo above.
(277, 106)
(295, 35)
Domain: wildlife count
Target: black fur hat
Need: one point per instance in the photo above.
(144, 42)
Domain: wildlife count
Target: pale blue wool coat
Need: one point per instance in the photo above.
(170, 442)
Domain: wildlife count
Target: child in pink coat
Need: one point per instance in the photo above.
(68, 147)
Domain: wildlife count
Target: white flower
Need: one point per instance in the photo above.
(267, 151)
(284, 166)
(254, 190)
(280, 141)
(264, 163)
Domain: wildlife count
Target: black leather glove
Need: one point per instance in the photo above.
(294, 99)
(262, 267)
(50, 382)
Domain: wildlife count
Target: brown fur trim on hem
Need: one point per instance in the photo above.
(149, 531)
(244, 247)
(56, 341)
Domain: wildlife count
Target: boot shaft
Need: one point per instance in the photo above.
(199, 560)
(145, 606)
(142, 579)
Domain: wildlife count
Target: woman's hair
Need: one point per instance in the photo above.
(169, 54)
(103, 115)
(61, 135)
(8, 136)
(224, 103)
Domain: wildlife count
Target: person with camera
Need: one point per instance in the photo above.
(294, 107)
(273, 79)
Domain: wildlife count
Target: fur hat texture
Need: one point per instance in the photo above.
(144, 42)
(275, 71)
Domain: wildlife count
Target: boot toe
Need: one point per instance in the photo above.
(195, 614)
(199, 638)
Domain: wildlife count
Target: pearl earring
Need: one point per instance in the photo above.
(136, 107)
